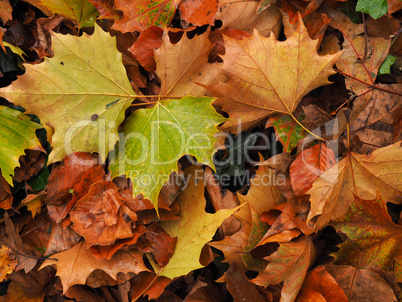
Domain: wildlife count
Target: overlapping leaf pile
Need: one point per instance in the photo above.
(111, 188)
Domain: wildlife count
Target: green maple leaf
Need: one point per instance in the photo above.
(154, 139)
(71, 93)
(17, 134)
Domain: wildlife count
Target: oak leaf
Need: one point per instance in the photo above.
(156, 138)
(194, 229)
(18, 134)
(98, 216)
(373, 238)
(76, 264)
(83, 113)
(358, 175)
(267, 76)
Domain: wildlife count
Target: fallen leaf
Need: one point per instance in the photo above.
(61, 196)
(61, 239)
(82, 12)
(155, 138)
(358, 175)
(198, 12)
(83, 294)
(358, 66)
(25, 258)
(242, 15)
(6, 197)
(5, 11)
(240, 287)
(319, 284)
(98, 216)
(288, 132)
(288, 264)
(139, 15)
(262, 195)
(158, 243)
(30, 165)
(148, 284)
(15, 294)
(74, 265)
(373, 238)
(18, 134)
(7, 263)
(106, 252)
(194, 229)
(254, 90)
(184, 65)
(310, 165)
(361, 284)
(76, 109)
(287, 217)
(143, 48)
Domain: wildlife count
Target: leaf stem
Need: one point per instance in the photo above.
(308, 131)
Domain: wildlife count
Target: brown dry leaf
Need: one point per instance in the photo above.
(148, 284)
(143, 48)
(35, 282)
(319, 286)
(5, 11)
(16, 294)
(63, 179)
(6, 198)
(239, 286)
(61, 239)
(289, 216)
(184, 65)
(76, 264)
(231, 225)
(288, 264)
(262, 195)
(43, 42)
(358, 175)
(83, 294)
(30, 165)
(361, 284)
(35, 234)
(360, 68)
(242, 15)
(374, 125)
(198, 13)
(158, 243)
(309, 165)
(98, 216)
(374, 240)
(262, 80)
(106, 252)
(25, 257)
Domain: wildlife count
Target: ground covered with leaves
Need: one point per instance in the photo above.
(200, 150)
